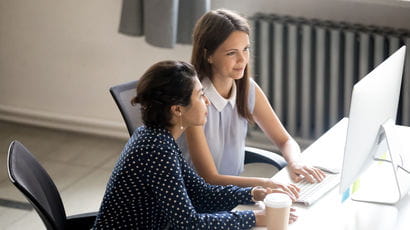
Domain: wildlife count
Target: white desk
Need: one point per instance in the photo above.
(329, 212)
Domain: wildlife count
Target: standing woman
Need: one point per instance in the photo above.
(221, 55)
(152, 186)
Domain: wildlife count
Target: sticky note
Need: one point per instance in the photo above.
(346, 195)
(356, 186)
(383, 157)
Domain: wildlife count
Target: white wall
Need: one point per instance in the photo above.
(58, 58)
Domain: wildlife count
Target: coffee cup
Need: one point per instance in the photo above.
(277, 208)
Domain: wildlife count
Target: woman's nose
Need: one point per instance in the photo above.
(206, 100)
(243, 57)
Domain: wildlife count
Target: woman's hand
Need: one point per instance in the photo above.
(292, 215)
(259, 193)
(260, 217)
(290, 189)
(299, 171)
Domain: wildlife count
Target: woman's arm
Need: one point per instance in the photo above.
(205, 166)
(164, 176)
(270, 124)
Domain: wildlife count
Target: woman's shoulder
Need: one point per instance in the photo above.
(153, 139)
(252, 82)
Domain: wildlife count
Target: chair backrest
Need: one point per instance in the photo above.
(26, 173)
(122, 95)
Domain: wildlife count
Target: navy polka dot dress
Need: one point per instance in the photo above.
(153, 187)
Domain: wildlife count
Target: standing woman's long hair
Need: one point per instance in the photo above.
(211, 30)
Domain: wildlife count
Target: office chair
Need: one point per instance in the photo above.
(31, 179)
(123, 94)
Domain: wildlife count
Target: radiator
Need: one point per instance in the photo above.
(307, 68)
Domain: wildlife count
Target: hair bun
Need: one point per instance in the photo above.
(135, 100)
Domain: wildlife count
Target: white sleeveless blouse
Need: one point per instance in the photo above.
(225, 130)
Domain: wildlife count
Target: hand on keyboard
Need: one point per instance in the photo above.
(311, 192)
(299, 171)
(259, 193)
(290, 189)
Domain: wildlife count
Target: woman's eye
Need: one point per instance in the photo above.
(246, 49)
(230, 53)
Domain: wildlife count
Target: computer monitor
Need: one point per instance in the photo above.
(374, 103)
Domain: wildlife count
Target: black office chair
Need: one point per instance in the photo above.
(123, 94)
(26, 173)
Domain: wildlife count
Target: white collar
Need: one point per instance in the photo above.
(215, 98)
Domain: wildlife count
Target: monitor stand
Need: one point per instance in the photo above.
(387, 179)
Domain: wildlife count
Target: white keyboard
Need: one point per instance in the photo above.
(310, 193)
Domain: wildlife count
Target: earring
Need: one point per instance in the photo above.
(180, 119)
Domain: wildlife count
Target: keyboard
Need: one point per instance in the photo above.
(310, 193)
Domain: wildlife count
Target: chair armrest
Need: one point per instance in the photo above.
(255, 155)
(81, 221)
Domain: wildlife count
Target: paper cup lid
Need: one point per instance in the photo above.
(277, 200)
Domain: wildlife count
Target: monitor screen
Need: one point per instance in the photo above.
(374, 101)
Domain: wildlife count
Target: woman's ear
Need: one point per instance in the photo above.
(208, 57)
(176, 110)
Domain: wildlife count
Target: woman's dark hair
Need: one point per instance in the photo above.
(163, 85)
(211, 30)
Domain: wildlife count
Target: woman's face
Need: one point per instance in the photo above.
(195, 113)
(231, 57)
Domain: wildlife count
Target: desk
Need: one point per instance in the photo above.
(329, 212)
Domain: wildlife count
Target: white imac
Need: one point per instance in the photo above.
(372, 161)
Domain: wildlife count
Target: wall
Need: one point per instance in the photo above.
(392, 13)
(59, 58)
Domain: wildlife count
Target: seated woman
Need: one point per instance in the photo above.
(152, 186)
